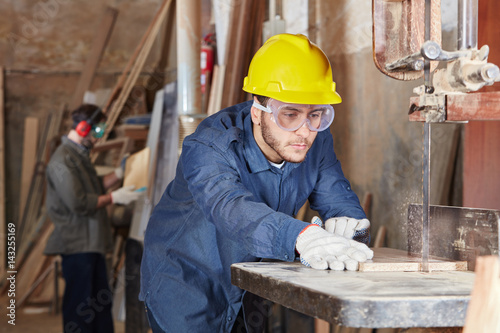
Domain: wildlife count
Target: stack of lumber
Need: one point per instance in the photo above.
(243, 40)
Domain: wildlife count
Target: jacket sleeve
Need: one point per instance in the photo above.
(332, 195)
(64, 177)
(218, 190)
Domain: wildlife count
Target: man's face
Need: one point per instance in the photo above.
(95, 134)
(280, 145)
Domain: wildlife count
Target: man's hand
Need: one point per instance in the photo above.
(125, 195)
(321, 249)
(351, 228)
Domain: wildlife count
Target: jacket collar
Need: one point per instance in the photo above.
(80, 149)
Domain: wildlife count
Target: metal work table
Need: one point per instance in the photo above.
(361, 299)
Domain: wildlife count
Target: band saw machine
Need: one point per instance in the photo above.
(430, 285)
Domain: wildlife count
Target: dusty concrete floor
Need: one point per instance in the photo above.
(40, 323)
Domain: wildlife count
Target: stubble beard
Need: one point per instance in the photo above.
(279, 148)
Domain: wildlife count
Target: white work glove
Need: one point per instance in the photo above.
(119, 171)
(351, 228)
(321, 249)
(125, 195)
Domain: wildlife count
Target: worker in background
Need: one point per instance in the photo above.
(76, 201)
(241, 178)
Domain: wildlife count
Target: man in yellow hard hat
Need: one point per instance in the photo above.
(241, 178)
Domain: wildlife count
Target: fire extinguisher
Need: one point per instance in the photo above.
(207, 61)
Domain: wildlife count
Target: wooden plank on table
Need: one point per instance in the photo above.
(3, 222)
(30, 145)
(484, 306)
(99, 44)
(393, 260)
(137, 169)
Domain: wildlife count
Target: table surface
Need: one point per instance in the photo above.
(361, 299)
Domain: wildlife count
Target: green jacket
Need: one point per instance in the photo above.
(72, 191)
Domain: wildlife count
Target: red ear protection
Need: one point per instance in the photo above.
(83, 128)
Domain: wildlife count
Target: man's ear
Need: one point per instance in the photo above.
(256, 113)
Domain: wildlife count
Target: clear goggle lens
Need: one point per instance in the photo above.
(98, 130)
(291, 117)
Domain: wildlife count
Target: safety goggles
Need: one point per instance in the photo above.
(98, 130)
(291, 117)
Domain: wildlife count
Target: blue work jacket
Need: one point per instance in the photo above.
(227, 204)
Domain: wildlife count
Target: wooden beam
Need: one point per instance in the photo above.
(125, 144)
(216, 89)
(482, 106)
(474, 106)
(3, 222)
(159, 76)
(42, 275)
(246, 18)
(125, 83)
(30, 145)
(100, 41)
(33, 264)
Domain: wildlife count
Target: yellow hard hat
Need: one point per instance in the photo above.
(291, 69)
